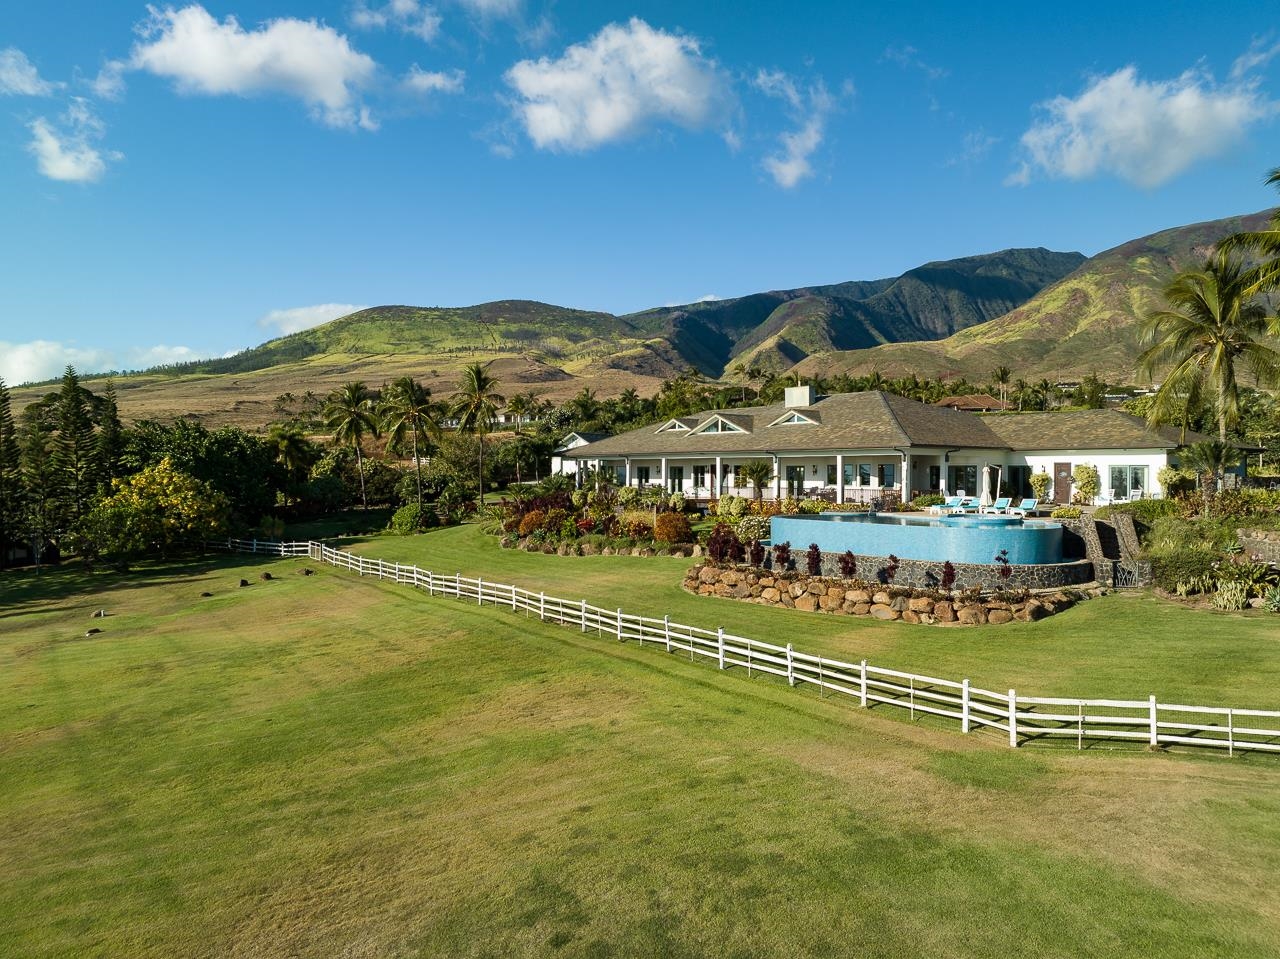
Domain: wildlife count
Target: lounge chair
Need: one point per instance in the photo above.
(970, 504)
(1028, 507)
(999, 506)
(950, 503)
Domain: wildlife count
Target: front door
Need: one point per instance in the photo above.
(1062, 483)
(795, 481)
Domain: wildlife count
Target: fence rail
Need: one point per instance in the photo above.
(1024, 719)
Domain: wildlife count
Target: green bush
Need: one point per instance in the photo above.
(753, 528)
(1247, 503)
(1087, 483)
(1231, 596)
(1040, 484)
(532, 522)
(925, 500)
(1145, 511)
(1271, 601)
(812, 506)
(1067, 512)
(412, 519)
(1184, 566)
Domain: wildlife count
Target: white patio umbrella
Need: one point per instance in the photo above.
(985, 499)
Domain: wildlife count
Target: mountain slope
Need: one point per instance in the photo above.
(1087, 323)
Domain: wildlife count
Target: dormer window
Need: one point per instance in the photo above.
(718, 424)
(793, 418)
(673, 426)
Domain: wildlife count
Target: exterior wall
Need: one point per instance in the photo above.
(814, 483)
(926, 574)
(1153, 460)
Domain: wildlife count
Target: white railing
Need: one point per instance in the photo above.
(1024, 719)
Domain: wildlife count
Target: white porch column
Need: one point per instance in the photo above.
(719, 479)
(626, 470)
(906, 477)
(777, 477)
(839, 477)
(662, 474)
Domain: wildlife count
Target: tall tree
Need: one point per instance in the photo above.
(475, 404)
(12, 490)
(350, 414)
(110, 446)
(1213, 327)
(1000, 378)
(408, 412)
(1264, 277)
(74, 452)
(757, 473)
(39, 480)
(294, 451)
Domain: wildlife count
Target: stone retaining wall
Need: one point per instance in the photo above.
(852, 598)
(1263, 543)
(927, 574)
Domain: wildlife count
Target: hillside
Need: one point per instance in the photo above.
(556, 351)
(1086, 323)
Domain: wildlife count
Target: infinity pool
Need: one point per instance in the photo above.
(960, 538)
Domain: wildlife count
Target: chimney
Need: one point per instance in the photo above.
(798, 396)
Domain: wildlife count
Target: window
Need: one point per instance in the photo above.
(1018, 482)
(642, 475)
(935, 478)
(699, 477)
(675, 478)
(718, 425)
(831, 474)
(963, 478)
(848, 474)
(884, 473)
(792, 419)
(795, 481)
(620, 475)
(864, 474)
(1128, 482)
(673, 426)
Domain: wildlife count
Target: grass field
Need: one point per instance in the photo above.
(334, 766)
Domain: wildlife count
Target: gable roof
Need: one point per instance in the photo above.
(1085, 430)
(974, 402)
(853, 421)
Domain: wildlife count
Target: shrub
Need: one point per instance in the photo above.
(411, 519)
(556, 520)
(1255, 577)
(1231, 596)
(1145, 511)
(811, 506)
(1040, 483)
(723, 545)
(755, 552)
(1183, 566)
(675, 502)
(532, 522)
(886, 573)
(848, 564)
(925, 500)
(1087, 483)
(731, 507)
(1067, 512)
(628, 497)
(585, 525)
(813, 560)
(782, 556)
(788, 506)
(948, 580)
(753, 527)
(1003, 569)
(1247, 503)
(1271, 601)
(672, 528)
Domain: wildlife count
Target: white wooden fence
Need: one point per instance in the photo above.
(1024, 719)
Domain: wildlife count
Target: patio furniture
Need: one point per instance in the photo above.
(1028, 507)
(946, 506)
(999, 506)
(970, 504)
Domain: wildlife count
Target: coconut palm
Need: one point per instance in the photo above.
(1213, 328)
(349, 413)
(294, 451)
(1209, 460)
(1000, 378)
(475, 405)
(757, 473)
(408, 413)
(1265, 277)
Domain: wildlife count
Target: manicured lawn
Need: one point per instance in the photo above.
(1120, 646)
(333, 766)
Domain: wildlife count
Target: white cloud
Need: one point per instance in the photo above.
(299, 58)
(709, 298)
(45, 359)
(426, 81)
(109, 83)
(975, 146)
(810, 109)
(304, 317)
(615, 85)
(908, 57)
(141, 358)
(407, 16)
(65, 151)
(1143, 131)
(19, 76)
(493, 8)
(1260, 53)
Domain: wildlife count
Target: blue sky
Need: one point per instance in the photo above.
(189, 180)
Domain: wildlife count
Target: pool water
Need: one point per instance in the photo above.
(959, 538)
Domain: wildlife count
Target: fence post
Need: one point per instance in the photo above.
(964, 706)
(1231, 733)
(431, 586)
(720, 645)
(542, 606)
(863, 696)
(666, 631)
(1013, 719)
(1155, 727)
(619, 624)
(584, 616)
(255, 545)
(791, 669)
(479, 590)
(396, 574)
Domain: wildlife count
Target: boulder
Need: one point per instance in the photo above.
(927, 619)
(1034, 610)
(590, 549)
(797, 590)
(861, 609)
(740, 591)
(881, 611)
(766, 581)
(881, 598)
(944, 612)
(709, 574)
(998, 616)
(857, 596)
(836, 593)
(827, 602)
(900, 603)
(769, 594)
(920, 604)
(244, 582)
(730, 578)
(607, 551)
(205, 595)
(910, 616)
(806, 602)
(972, 615)
(697, 551)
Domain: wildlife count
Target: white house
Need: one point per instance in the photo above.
(862, 446)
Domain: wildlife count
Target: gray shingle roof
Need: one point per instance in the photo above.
(871, 420)
(1085, 430)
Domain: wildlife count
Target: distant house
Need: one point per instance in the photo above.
(856, 447)
(571, 442)
(975, 403)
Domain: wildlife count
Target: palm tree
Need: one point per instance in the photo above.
(1265, 276)
(349, 413)
(1209, 460)
(408, 412)
(584, 406)
(757, 473)
(294, 451)
(1000, 378)
(1213, 327)
(475, 404)
(521, 407)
